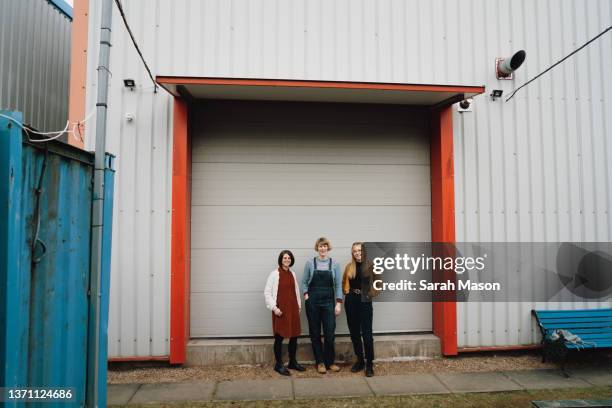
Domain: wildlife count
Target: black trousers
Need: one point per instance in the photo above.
(278, 348)
(359, 317)
(320, 312)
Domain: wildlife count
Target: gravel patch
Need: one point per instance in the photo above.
(124, 373)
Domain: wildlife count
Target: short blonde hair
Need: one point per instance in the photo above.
(322, 241)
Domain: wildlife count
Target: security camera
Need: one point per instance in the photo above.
(504, 67)
(465, 105)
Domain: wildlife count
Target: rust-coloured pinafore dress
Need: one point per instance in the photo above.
(287, 325)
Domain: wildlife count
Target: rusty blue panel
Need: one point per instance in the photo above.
(13, 280)
(60, 269)
(45, 233)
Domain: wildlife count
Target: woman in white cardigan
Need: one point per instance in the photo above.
(282, 297)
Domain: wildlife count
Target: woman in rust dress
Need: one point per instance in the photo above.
(283, 299)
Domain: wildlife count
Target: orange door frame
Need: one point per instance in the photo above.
(444, 314)
(180, 245)
(442, 172)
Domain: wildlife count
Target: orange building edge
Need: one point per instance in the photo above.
(180, 270)
(78, 69)
(444, 314)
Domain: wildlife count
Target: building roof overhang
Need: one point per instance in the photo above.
(193, 88)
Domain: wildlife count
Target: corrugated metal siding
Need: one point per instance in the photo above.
(139, 322)
(35, 42)
(549, 142)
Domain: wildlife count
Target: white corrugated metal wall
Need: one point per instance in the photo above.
(550, 144)
(35, 62)
(532, 169)
(140, 264)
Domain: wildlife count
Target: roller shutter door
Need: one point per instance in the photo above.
(268, 176)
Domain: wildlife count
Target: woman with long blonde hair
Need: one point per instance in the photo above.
(357, 287)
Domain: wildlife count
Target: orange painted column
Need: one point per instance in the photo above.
(181, 234)
(443, 219)
(78, 69)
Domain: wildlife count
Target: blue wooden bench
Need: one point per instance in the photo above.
(593, 326)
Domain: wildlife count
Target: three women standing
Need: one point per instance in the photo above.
(322, 287)
(357, 282)
(282, 297)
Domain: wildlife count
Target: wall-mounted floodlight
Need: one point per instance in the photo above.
(504, 67)
(496, 93)
(129, 83)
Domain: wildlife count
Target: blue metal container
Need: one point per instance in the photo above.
(45, 227)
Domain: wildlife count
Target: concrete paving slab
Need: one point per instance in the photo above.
(331, 387)
(477, 382)
(406, 384)
(120, 394)
(595, 376)
(539, 379)
(174, 392)
(240, 390)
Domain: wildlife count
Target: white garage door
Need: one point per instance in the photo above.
(269, 176)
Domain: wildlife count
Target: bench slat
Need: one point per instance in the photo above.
(581, 312)
(575, 319)
(601, 336)
(578, 325)
(596, 323)
(583, 317)
(574, 310)
(592, 330)
(599, 344)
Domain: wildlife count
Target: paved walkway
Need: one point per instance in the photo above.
(333, 387)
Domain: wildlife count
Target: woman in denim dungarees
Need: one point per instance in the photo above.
(322, 286)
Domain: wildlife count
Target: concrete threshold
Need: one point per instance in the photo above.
(207, 352)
